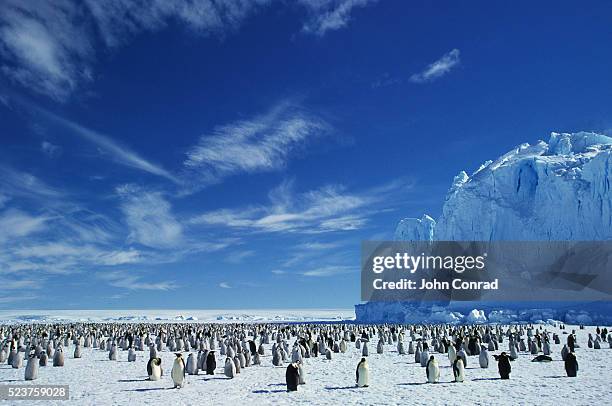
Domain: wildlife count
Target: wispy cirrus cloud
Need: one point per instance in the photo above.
(52, 46)
(115, 150)
(149, 217)
(48, 44)
(330, 15)
(125, 280)
(332, 270)
(262, 143)
(438, 68)
(330, 208)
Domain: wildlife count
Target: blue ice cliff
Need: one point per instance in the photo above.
(555, 190)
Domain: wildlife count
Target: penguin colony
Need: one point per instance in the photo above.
(240, 346)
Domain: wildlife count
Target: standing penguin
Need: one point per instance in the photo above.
(363, 374)
(131, 355)
(178, 371)
(458, 370)
(503, 365)
(31, 371)
(154, 369)
(483, 358)
(42, 359)
(211, 363)
(192, 367)
(58, 357)
(292, 377)
(78, 353)
(17, 359)
(302, 373)
(571, 365)
(112, 353)
(432, 370)
(230, 368)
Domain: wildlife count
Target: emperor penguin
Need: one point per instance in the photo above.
(571, 365)
(400, 347)
(302, 373)
(237, 364)
(78, 352)
(424, 358)
(31, 371)
(178, 371)
(112, 353)
(483, 358)
(364, 351)
(564, 352)
(380, 347)
(211, 363)
(192, 367)
(256, 359)
(131, 355)
(503, 365)
(42, 359)
(432, 370)
(328, 354)
(452, 354)
(292, 377)
(461, 354)
(362, 374)
(58, 357)
(154, 369)
(458, 370)
(230, 368)
(17, 360)
(343, 346)
(276, 358)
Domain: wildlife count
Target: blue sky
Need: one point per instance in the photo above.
(235, 154)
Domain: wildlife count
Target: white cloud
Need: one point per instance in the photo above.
(119, 153)
(45, 45)
(260, 144)
(48, 47)
(124, 280)
(330, 271)
(15, 223)
(14, 183)
(225, 285)
(438, 68)
(329, 15)
(330, 208)
(149, 217)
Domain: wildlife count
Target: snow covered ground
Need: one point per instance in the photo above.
(394, 379)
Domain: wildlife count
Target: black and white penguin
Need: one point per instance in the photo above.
(362, 374)
(78, 352)
(211, 363)
(131, 355)
(154, 370)
(432, 370)
(230, 368)
(58, 357)
(31, 371)
(112, 353)
(503, 365)
(178, 371)
(483, 358)
(191, 368)
(292, 377)
(458, 370)
(571, 365)
(43, 359)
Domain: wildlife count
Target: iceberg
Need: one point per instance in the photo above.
(550, 191)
